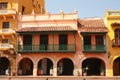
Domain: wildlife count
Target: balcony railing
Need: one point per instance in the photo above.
(5, 11)
(94, 48)
(7, 31)
(116, 42)
(6, 45)
(47, 48)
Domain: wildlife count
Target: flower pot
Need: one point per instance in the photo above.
(102, 74)
(84, 73)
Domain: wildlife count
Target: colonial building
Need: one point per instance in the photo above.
(8, 37)
(112, 20)
(47, 42)
(8, 26)
(92, 41)
(34, 42)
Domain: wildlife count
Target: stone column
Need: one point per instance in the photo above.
(35, 70)
(54, 70)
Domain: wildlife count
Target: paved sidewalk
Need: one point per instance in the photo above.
(59, 78)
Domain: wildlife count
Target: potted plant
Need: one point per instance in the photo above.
(85, 70)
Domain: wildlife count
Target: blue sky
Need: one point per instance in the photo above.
(85, 8)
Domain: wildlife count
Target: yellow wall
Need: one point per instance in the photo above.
(38, 7)
(9, 36)
(17, 5)
(113, 51)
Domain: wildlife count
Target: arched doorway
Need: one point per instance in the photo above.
(93, 66)
(4, 66)
(25, 67)
(65, 67)
(44, 66)
(116, 67)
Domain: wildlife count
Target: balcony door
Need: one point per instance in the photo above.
(100, 42)
(27, 42)
(117, 36)
(44, 42)
(87, 42)
(5, 26)
(63, 41)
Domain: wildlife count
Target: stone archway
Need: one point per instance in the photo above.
(44, 66)
(65, 67)
(93, 66)
(25, 67)
(5, 66)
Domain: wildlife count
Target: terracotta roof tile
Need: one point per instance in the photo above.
(48, 28)
(92, 25)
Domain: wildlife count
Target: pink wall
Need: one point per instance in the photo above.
(70, 38)
(36, 39)
(56, 39)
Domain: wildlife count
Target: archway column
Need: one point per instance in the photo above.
(80, 70)
(35, 70)
(108, 70)
(13, 67)
(54, 70)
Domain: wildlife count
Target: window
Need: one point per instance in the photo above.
(117, 33)
(3, 5)
(5, 24)
(99, 40)
(87, 40)
(63, 41)
(27, 42)
(23, 9)
(4, 40)
(27, 39)
(43, 42)
(117, 36)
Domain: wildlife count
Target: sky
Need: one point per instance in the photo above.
(85, 8)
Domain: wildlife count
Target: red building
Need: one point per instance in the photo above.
(61, 44)
(93, 43)
(47, 41)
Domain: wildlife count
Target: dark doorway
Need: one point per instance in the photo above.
(4, 66)
(27, 42)
(65, 67)
(25, 67)
(44, 42)
(63, 41)
(87, 42)
(100, 42)
(44, 66)
(93, 66)
(116, 67)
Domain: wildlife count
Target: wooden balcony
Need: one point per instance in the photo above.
(7, 11)
(94, 48)
(116, 42)
(7, 31)
(46, 48)
(6, 46)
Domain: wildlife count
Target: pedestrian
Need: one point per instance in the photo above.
(51, 71)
